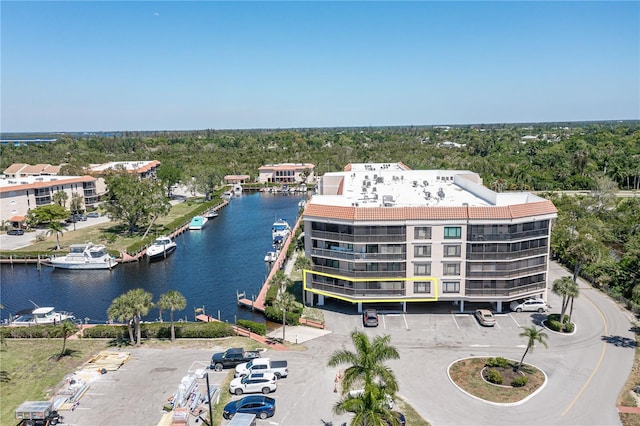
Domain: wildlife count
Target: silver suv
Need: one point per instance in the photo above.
(529, 305)
(256, 382)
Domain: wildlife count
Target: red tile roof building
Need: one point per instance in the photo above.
(383, 233)
(286, 173)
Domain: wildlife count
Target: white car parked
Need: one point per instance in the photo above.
(529, 305)
(254, 383)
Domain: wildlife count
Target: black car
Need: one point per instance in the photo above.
(15, 232)
(232, 357)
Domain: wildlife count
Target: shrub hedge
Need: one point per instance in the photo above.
(254, 327)
(275, 315)
(498, 362)
(554, 325)
(518, 382)
(162, 330)
(34, 332)
(494, 376)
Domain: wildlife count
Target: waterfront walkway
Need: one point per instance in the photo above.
(269, 341)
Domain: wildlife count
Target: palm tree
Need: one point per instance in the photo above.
(173, 301)
(141, 301)
(370, 408)
(280, 280)
(285, 302)
(67, 328)
(55, 229)
(562, 287)
(121, 310)
(302, 263)
(60, 198)
(574, 291)
(533, 335)
(366, 364)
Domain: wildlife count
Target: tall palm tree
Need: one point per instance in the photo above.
(366, 364)
(67, 328)
(55, 229)
(574, 291)
(284, 302)
(60, 198)
(173, 301)
(370, 408)
(280, 280)
(141, 301)
(562, 287)
(533, 335)
(121, 310)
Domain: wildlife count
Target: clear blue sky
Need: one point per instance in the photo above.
(92, 66)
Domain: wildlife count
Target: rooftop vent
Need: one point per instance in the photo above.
(440, 193)
(388, 201)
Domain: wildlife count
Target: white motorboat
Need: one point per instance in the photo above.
(197, 223)
(237, 189)
(41, 316)
(161, 248)
(84, 256)
(280, 228)
(211, 214)
(271, 256)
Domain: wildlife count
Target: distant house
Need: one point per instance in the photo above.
(144, 169)
(18, 195)
(17, 170)
(233, 179)
(286, 173)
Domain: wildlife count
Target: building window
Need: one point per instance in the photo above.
(450, 286)
(451, 268)
(452, 232)
(452, 251)
(422, 233)
(422, 251)
(422, 287)
(422, 269)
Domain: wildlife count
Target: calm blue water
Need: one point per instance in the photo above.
(207, 268)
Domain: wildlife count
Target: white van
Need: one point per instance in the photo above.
(243, 419)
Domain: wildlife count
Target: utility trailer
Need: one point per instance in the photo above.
(37, 413)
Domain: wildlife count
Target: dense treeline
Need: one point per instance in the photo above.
(539, 157)
(597, 234)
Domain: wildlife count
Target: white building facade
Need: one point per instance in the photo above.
(382, 233)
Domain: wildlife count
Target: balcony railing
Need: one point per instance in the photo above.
(351, 255)
(514, 291)
(43, 201)
(506, 255)
(507, 274)
(359, 291)
(360, 274)
(507, 236)
(351, 238)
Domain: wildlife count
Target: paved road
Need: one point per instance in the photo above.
(585, 372)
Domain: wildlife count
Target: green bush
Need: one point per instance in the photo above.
(494, 376)
(107, 332)
(568, 327)
(254, 327)
(34, 332)
(498, 362)
(162, 330)
(556, 317)
(272, 293)
(518, 382)
(275, 315)
(554, 325)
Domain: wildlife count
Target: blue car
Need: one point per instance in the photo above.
(261, 406)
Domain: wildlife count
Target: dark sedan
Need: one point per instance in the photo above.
(260, 405)
(15, 232)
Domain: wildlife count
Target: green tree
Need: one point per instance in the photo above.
(169, 175)
(369, 408)
(280, 280)
(60, 198)
(533, 335)
(123, 311)
(67, 328)
(563, 288)
(141, 301)
(285, 302)
(134, 201)
(574, 291)
(55, 229)
(302, 263)
(46, 214)
(366, 364)
(77, 203)
(173, 301)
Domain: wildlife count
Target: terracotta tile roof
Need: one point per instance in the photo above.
(47, 184)
(35, 169)
(17, 218)
(15, 167)
(429, 213)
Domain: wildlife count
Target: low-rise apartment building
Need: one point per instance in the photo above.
(286, 173)
(144, 169)
(381, 233)
(19, 195)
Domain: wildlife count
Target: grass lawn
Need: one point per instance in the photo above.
(29, 370)
(626, 398)
(466, 374)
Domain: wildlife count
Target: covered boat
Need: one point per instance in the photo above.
(197, 223)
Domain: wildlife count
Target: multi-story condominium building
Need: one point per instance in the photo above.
(286, 173)
(19, 195)
(144, 169)
(385, 233)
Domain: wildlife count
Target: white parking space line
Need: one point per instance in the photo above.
(454, 320)
(406, 324)
(514, 320)
(384, 324)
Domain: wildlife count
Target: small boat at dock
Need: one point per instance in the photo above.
(161, 248)
(280, 228)
(197, 223)
(40, 316)
(211, 214)
(84, 256)
(271, 256)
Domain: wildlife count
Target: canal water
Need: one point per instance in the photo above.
(208, 268)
